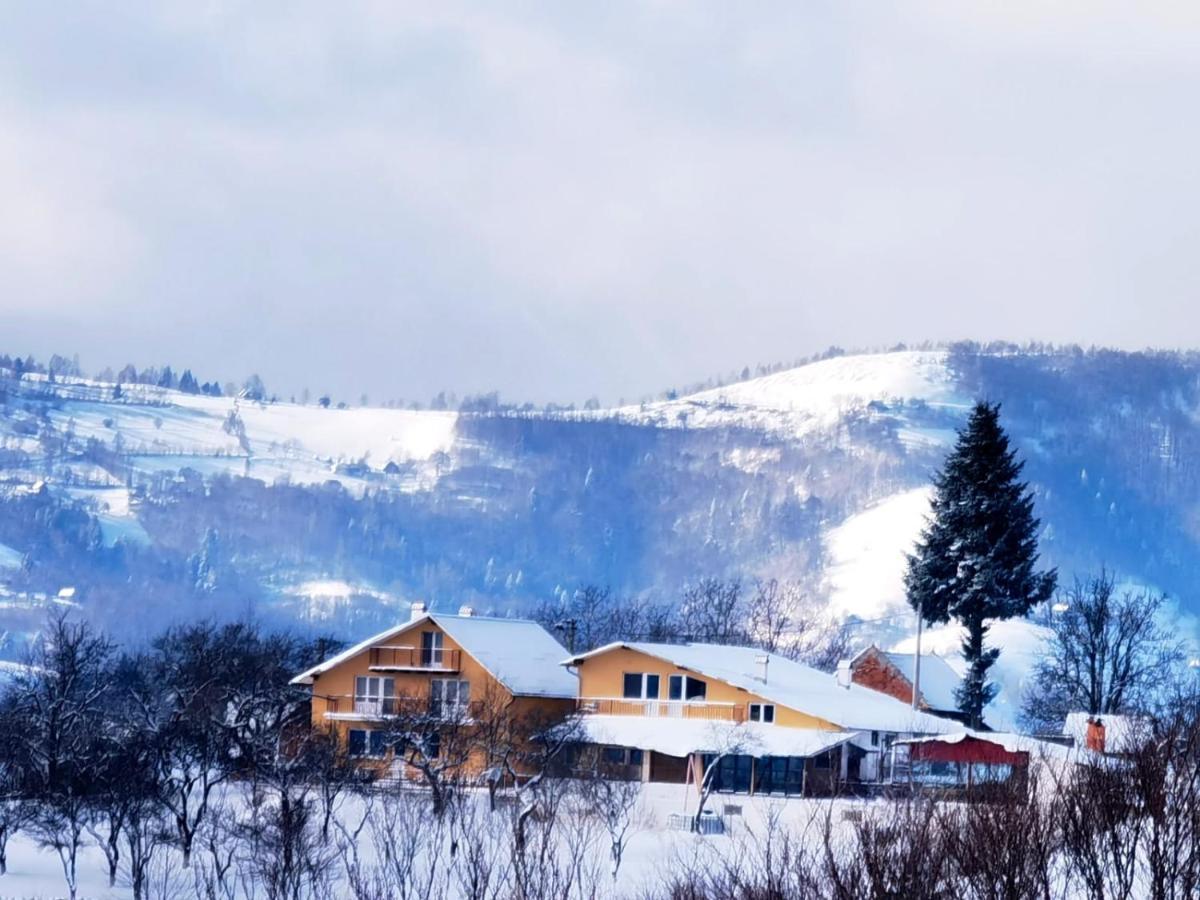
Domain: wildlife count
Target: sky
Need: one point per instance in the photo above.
(567, 200)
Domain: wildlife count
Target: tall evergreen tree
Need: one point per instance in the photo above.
(976, 559)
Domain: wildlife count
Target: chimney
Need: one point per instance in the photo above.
(1095, 734)
(466, 611)
(418, 610)
(844, 675)
(762, 662)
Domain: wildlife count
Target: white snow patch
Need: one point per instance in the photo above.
(867, 556)
(10, 558)
(815, 396)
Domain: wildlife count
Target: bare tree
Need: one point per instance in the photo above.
(1106, 653)
(1004, 848)
(724, 741)
(15, 808)
(715, 611)
(783, 618)
(435, 740)
(57, 710)
(282, 758)
(614, 800)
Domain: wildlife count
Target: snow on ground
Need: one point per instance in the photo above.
(9, 557)
(867, 556)
(170, 424)
(322, 597)
(114, 510)
(651, 853)
(815, 396)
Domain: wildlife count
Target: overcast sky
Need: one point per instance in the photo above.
(578, 199)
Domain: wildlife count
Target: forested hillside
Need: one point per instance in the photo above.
(145, 504)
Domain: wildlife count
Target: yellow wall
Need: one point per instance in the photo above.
(603, 676)
(339, 682)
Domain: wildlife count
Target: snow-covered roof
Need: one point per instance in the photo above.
(679, 737)
(939, 681)
(793, 685)
(1121, 733)
(520, 654)
(1011, 742)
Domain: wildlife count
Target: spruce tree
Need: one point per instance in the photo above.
(976, 558)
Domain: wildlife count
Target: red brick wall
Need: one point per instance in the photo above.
(876, 673)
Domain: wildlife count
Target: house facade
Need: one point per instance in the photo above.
(414, 688)
(762, 723)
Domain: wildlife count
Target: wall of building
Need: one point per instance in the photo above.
(338, 683)
(874, 671)
(604, 676)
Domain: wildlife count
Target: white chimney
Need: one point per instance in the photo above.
(418, 610)
(466, 611)
(844, 676)
(763, 662)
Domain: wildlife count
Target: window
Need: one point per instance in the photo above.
(363, 743)
(640, 686)
(762, 712)
(874, 738)
(431, 648)
(823, 760)
(685, 687)
(376, 743)
(449, 696)
(374, 696)
(621, 756)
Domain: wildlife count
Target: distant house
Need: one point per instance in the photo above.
(439, 668)
(770, 724)
(894, 673)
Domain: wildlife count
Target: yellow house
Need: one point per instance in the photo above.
(769, 724)
(440, 669)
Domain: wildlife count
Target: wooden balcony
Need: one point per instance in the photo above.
(413, 659)
(664, 709)
(350, 708)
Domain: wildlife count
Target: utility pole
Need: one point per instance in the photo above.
(916, 694)
(568, 626)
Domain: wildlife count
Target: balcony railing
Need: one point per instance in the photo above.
(391, 659)
(667, 709)
(350, 707)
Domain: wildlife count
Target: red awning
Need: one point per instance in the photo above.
(968, 750)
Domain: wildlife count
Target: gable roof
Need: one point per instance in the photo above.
(939, 680)
(518, 653)
(791, 684)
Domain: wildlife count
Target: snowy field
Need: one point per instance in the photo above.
(652, 849)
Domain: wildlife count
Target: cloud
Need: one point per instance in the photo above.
(603, 199)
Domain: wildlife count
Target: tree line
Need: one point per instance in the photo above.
(779, 616)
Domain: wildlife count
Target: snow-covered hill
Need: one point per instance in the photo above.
(169, 503)
(814, 397)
